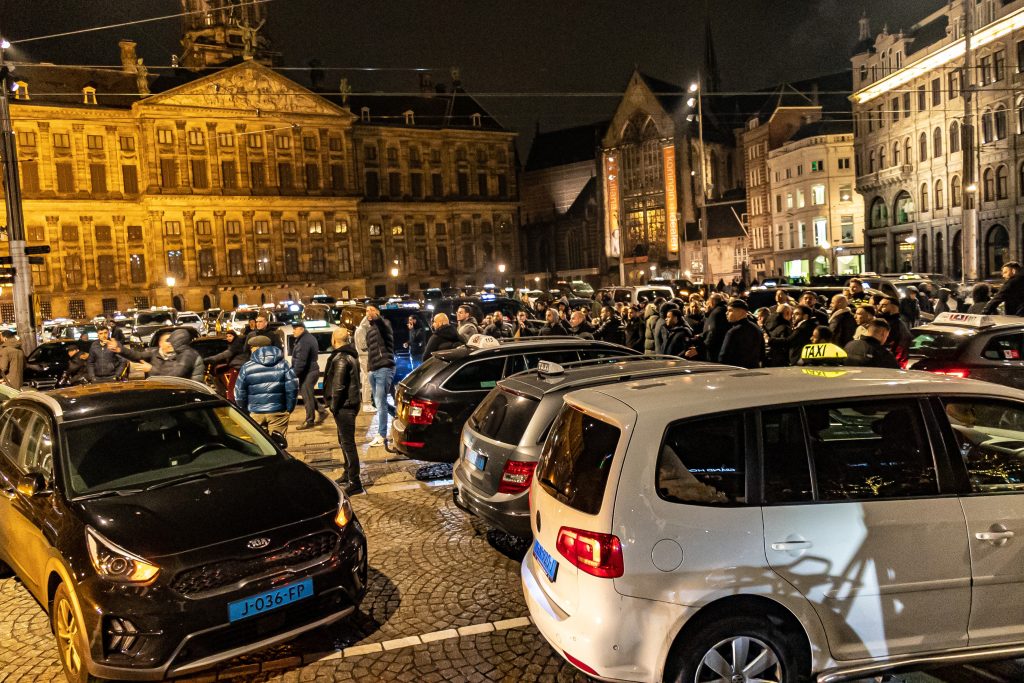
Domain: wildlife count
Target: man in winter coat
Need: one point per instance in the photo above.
(77, 372)
(468, 326)
(650, 319)
(1011, 293)
(267, 387)
(521, 327)
(380, 346)
(417, 340)
(869, 350)
(260, 330)
(841, 321)
(443, 337)
(553, 325)
(678, 335)
(900, 338)
(499, 329)
(633, 329)
(660, 334)
(364, 364)
(102, 364)
(744, 341)
(715, 326)
(172, 357)
(305, 357)
(12, 360)
(910, 310)
(580, 326)
(800, 336)
(610, 329)
(810, 300)
(342, 395)
(778, 326)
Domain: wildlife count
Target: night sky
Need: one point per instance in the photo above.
(501, 46)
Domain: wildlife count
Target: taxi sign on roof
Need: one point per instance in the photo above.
(823, 354)
(965, 319)
(482, 341)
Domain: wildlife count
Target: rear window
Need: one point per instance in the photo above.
(425, 373)
(577, 459)
(938, 344)
(504, 416)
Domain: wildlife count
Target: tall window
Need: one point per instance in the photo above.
(317, 261)
(954, 138)
(130, 178)
(30, 176)
(924, 197)
(137, 267)
(436, 185)
(200, 179)
(922, 144)
(168, 173)
(263, 261)
(106, 270)
(998, 65)
(907, 150)
(73, 269)
(337, 177)
(291, 260)
(1001, 124)
(235, 263)
(207, 263)
(175, 263)
(228, 175)
(442, 257)
(988, 185)
(257, 175)
(98, 176)
(344, 259)
(284, 176)
(1002, 182)
(312, 177)
(372, 185)
(940, 199)
(954, 194)
(987, 133)
(937, 143)
(65, 177)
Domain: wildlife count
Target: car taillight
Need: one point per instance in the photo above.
(960, 373)
(516, 476)
(594, 553)
(421, 412)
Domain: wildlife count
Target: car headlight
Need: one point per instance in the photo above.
(113, 562)
(345, 513)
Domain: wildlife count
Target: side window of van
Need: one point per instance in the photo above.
(703, 461)
(990, 436)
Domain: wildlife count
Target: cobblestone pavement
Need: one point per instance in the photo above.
(444, 601)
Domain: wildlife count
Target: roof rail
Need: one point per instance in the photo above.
(189, 383)
(648, 373)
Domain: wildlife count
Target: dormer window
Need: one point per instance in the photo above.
(364, 114)
(89, 95)
(475, 120)
(410, 118)
(22, 92)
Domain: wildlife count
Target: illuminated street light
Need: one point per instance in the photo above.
(911, 240)
(694, 87)
(4, 44)
(171, 281)
(501, 267)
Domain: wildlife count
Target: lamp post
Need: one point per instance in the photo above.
(501, 269)
(170, 285)
(696, 90)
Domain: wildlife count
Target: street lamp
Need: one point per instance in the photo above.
(696, 91)
(170, 285)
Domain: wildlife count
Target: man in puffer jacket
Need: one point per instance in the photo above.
(172, 357)
(267, 387)
(650, 322)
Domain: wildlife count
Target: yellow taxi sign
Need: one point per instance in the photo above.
(823, 373)
(823, 354)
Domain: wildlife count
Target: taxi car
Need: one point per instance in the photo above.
(987, 347)
(779, 525)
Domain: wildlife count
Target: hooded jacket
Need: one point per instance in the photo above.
(443, 338)
(468, 327)
(266, 384)
(183, 361)
(12, 362)
(103, 364)
(341, 379)
(235, 355)
(559, 329)
(650, 322)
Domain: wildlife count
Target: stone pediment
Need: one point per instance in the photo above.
(637, 103)
(247, 87)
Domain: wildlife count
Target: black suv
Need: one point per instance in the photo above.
(435, 400)
(164, 532)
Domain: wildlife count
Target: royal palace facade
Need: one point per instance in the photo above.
(220, 186)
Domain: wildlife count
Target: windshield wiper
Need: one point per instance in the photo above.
(108, 492)
(216, 471)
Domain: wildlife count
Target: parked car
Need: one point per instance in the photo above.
(784, 524)
(112, 489)
(148, 321)
(239, 318)
(435, 400)
(47, 363)
(74, 330)
(190, 319)
(633, 295)
(397, 314)
(502, 439)
(988, 347)
(321, 332)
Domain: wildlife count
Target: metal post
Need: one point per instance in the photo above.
(16, 225)
(703, 186)
(969, 229)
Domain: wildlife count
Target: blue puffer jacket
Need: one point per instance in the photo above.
(266, 384)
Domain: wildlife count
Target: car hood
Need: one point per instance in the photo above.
(217, 509)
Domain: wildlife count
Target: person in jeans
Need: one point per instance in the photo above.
(380, 352)
(305, 357)
(267, 387)
(342, 390)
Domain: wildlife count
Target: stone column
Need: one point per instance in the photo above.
(221, 250)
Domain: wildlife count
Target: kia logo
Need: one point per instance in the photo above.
(257, 543)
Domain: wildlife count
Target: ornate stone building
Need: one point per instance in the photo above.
(246, 187)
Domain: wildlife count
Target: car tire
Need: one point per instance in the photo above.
(71, 641)
(5, 571)
(741, 648)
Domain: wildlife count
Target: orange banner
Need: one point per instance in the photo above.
(671, 199)
(611, 197)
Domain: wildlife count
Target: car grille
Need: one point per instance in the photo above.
(305, 551)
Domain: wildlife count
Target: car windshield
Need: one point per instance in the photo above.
(182, 319)
(158, 318)
(131, 453)
(246, 315)
(938, 345)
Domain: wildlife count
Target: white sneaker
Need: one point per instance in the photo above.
(377, 441)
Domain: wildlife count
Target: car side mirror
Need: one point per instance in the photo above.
(279, 440)
(33, 484)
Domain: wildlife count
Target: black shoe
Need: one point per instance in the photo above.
(354, 487)
(304, 425)
(321, 417)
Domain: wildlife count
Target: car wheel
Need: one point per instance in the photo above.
(71, 641)
(5, 571)
(741, 649)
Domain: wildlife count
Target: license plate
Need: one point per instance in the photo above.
(479, 461)
(546, 562)
(270, 600)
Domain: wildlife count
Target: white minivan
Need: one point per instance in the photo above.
(779, 524)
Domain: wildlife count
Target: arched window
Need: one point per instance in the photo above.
(939, 255)
(924, 197)
(1001, 127)
(940, 199)
(1002, 182)
(922, 251)
(896, 154)
(956, 257)
(988, 191)
(871, 161)
(881, 158)
(863, 72)
(879, 213)
(907, 156)
(954, 195)
(903, 208)
(954, 138)
(987, 134)
(997, 250)
(937, 143)
(922, 147)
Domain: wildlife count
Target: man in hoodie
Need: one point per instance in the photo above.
(305, 357)
(444, 336)
(900, 338)
(102, 364)
(650, 325)
(841, 321)
(267, 387)
(678, 335)
(342, 395)
(468, 326)
(380, 345)
(553, 325)
(12, 360)
(172, 357)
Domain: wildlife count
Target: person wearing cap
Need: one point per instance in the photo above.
(305, 357)
(744, 341)
(267, 387)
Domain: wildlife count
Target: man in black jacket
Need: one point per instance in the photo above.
(499, 329)
(1011, 293)
(305, 357)
(380, 352)
(103, 365)
(744, 341)
(444, 336)
(554, 327)
(716, 324)
(869, 350)
(800, 336)
(342, 392)
(678, 335)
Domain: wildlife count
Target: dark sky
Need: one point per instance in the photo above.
(501, 46)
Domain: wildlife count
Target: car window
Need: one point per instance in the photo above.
(504, 416)
(939, 345)
(990, 437)
(15, 425)
(1003, 347)
(577, 459)
(560, 357)
(703, 461)
(590, 354)
(870, 450)
(37, 451)
(477, 375)
(787, 473)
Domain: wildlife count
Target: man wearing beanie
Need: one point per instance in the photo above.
(267, 387)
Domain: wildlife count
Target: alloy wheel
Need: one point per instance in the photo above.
(741, 659)
(67, 637)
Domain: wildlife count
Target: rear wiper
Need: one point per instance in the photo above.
(224, 469)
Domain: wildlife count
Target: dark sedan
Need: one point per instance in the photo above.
(435, 400)
(47, 363)
(164, 532)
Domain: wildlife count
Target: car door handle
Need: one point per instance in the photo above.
(791, 545)
(996, 535)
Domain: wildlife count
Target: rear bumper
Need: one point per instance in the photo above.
(423, 442)
(508, 513)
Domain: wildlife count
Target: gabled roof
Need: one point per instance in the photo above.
(671, 96)
(59, 85)
(566, 146)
